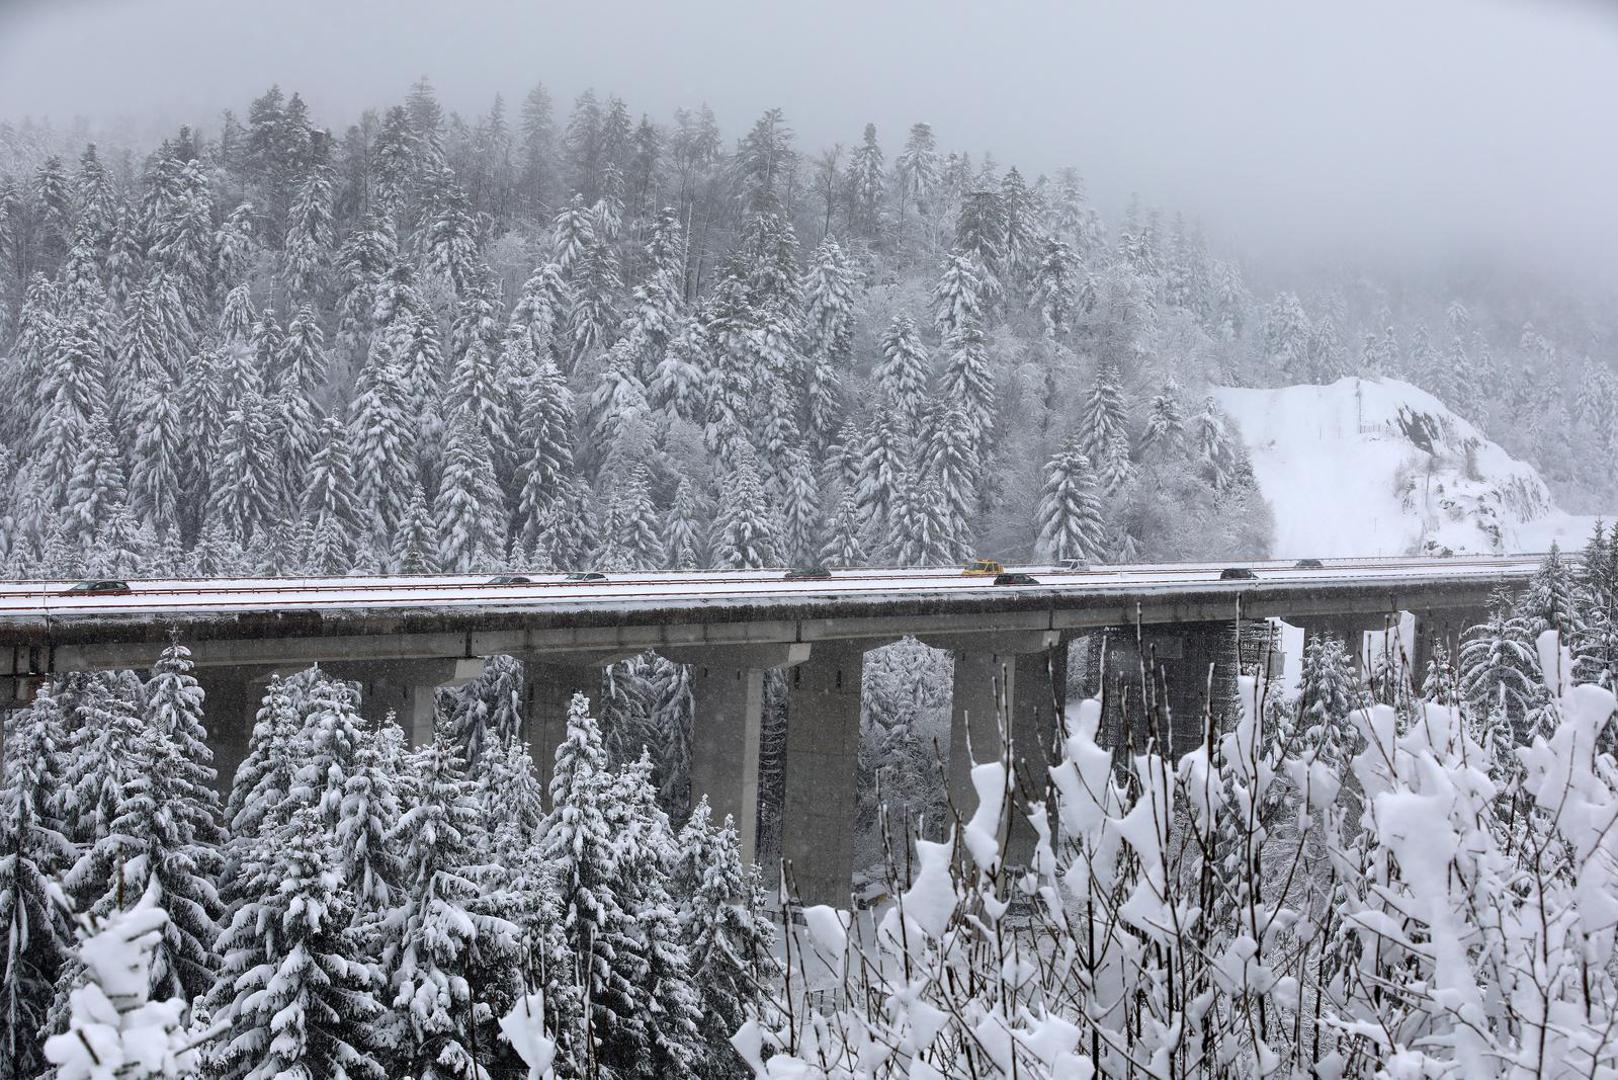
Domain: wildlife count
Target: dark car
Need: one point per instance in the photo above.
(510, 579)
(1015, 579)
(1309, 564)
(1237, 573)
(586, 575)
(808, 573)
(98, 588)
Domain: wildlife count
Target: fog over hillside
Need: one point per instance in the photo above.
(1014, 297)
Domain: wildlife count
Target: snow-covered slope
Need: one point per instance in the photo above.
(1366, 467)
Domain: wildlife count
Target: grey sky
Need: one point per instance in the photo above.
(1303, 128)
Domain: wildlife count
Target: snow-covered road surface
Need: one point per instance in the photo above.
(35, 599)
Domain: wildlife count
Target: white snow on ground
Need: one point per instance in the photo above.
(1368, 467)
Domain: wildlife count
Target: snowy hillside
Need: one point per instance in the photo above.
(1368, 467)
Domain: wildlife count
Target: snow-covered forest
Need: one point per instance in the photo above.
(1400, 876)
(551, 337)
(572, 335)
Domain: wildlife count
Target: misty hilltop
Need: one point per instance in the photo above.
(542, 337)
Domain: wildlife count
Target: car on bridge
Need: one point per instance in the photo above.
(1308, 564)
(983, 568)
(510, 579)
(808, 573)
(1074, 566)
(1237, 573)
(1015, 579)
(585, 575)
(105, 587)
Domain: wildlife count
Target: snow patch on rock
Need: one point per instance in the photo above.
(1379, 467)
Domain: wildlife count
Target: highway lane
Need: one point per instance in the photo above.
(43, 598)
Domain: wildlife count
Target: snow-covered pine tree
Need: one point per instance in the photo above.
(1328, 695)
(745, 534)
(367, 815)
(1069, 513)
(727, 937)
(437, 936)
(383, 438)
(34, 853)
(845, 542)
(902, 373)
(164, 832)
(309, 1007)
(328, 498)
(600, 932)
(645, 853)
(685, 529)
(470, 508)
(487, 711)
(1499, 669)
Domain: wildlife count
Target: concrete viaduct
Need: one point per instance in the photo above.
(402, 638)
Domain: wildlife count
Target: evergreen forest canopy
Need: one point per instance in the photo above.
(434, 343)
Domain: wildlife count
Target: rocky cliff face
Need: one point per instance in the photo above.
(1364, 467)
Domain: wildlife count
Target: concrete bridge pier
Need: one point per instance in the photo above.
(230, 704)
(1446, 627)
(407, 687)
(822, 764)
(727, 690)
(549, 682)
(1013, 682)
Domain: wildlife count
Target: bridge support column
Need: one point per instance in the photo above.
(1022, 677)
(1179, 660)
(231, 698)
(1445, 627)
(727, 691)
(408, 687)
(822, 763)
(549, 682)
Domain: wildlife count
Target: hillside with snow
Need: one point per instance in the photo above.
(1379, 467)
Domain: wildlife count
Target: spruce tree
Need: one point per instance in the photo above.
(727, 937)
(383, 439)
(902, 374)
(34, 853)
(470, 508)
(164, 835)
(745, 534)
(1328, 695)
(600, 932)
(436, 934)
(1069, 513)
(309, 1005)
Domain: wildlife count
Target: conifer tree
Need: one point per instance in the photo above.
(884, 466)
(97, 482)
(245, 490)
(1069, 516)
(745, 535)
(845, 544)
(367, 815)
(684, 529)
(438, 935)
(34, 853)
(383, 439)
(726, 935)
(1328, 696)
(309, 1005)
(469, 510)
(1499, 669)
(488, 710)
(164, 835)
(598, 930)
(902, 374)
